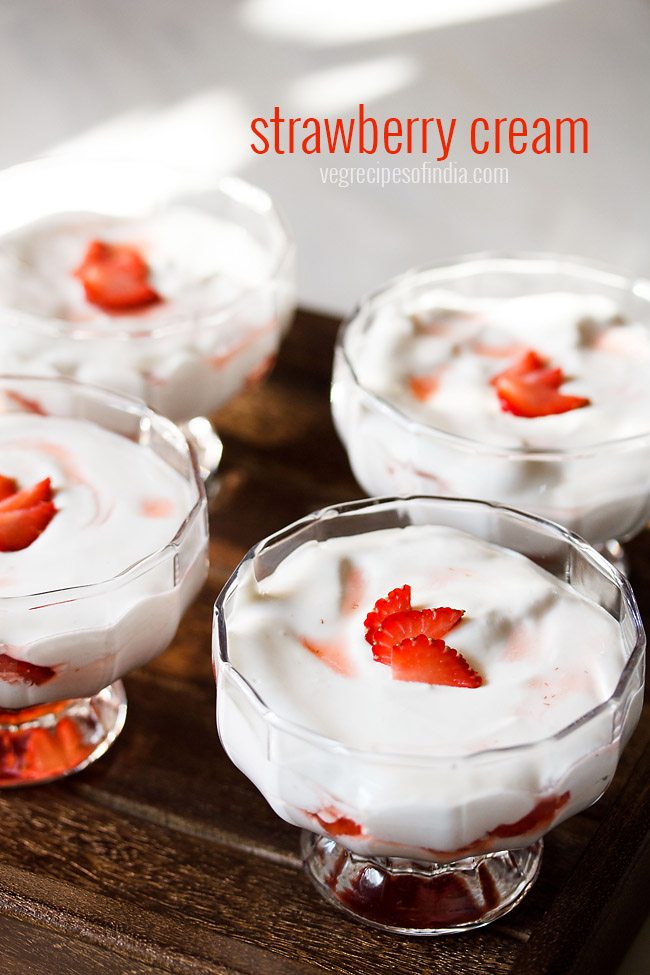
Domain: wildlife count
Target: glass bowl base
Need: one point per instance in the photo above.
(207, 444)
(48, 741)
(415, 898)
(615, 554)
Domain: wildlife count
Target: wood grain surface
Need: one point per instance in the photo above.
(162, 857)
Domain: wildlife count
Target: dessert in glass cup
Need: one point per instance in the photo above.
(103, 545)
(426, 686)
(162, 284)
(519, 379)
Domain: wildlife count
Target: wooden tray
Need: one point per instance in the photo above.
(164, 858)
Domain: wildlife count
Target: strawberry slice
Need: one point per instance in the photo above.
(397, 601)
(532, 399)
(432, 623)
(530, 388)
(528, 362)
(14, 671)
(28, 498)
(432, 662)
(7, 487)
(19, 528)
(116, 277)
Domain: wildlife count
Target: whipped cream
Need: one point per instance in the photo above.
(117, 503)
(219, 323)
(547, 657)
(460, 344)
(433, 360)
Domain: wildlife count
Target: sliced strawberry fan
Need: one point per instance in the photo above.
(531, 388)
(24, 515)
(410, 641)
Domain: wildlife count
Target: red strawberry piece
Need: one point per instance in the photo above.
(337, 825)
(528, 362)
(432, 662)
(116, 277)
(530, 388)
(28, 498)
(19, 528)
(432, 623)
(396, 601)
(330, 653)
(25, 403)
(422, 387)
(538, 819)
(528, 399)
(7, 487)
(14, 671)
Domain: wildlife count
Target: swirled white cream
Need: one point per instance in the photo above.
(68, 601)
(547, 656)
(434, 360)
(460, 344)
(218, 323)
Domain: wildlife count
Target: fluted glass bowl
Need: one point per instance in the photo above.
(428, 844)
(62, 702)
(186, 356)
(601, 490)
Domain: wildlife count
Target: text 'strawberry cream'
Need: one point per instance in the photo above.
(144, 281)
(103, 541)
(420, 681)
(520, 380)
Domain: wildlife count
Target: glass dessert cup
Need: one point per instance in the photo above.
(600, 491)
(62, 701)
(186, 355)
(456, 839)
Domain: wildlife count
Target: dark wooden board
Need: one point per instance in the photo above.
(162, 857)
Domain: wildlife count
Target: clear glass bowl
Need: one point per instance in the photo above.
(602, 491)
(497, 803)
(184, 357)
(68, 705)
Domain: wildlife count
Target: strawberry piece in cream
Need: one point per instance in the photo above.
(116, 277)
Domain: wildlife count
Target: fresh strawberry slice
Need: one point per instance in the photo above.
(29, 497)
(531, 367)
(432, 662)
(7, 487)
(432, 623)
(530, 388)
(528, 362)
(523, 398)
(396, 601)
(116, 277)
(18, 529)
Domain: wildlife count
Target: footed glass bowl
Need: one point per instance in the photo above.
(427, 844)
(63, 652)
(221, 259)
(601, 490)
